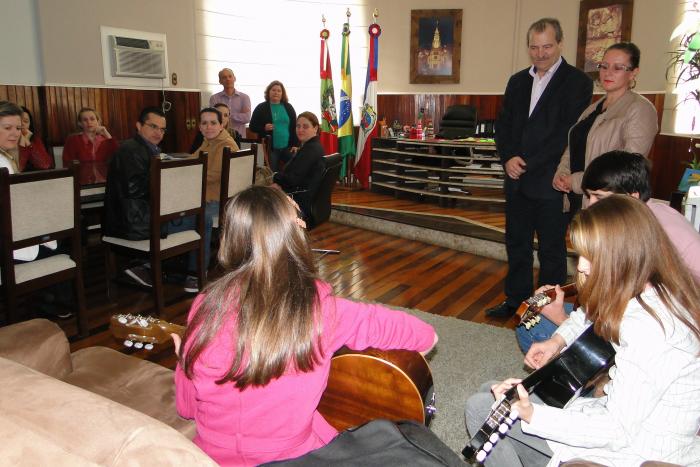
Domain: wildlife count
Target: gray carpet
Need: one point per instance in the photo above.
(467, 355)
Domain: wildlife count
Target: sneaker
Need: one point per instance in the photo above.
(191, 284)
(141, 275)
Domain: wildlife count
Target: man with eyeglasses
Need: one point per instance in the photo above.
(127, 196)
(540, 103)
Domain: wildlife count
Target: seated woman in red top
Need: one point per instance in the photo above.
(32, 152)
(93, 143)
(257, 351)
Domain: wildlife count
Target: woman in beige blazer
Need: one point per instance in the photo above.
(622, 120)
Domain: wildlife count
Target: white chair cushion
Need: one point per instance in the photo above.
(173, 240)
(42, 267)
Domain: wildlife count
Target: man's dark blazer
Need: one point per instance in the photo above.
(541, 138)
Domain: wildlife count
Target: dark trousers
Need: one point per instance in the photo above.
(525, 217)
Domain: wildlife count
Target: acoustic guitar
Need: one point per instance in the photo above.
(530, 309)
(558, 383)
(362, 385)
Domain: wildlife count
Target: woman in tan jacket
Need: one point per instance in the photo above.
(622, 120)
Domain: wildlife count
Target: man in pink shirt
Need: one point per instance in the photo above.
(237, 102)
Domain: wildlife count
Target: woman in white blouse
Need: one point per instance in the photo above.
(641, 298)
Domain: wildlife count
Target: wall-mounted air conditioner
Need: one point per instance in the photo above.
(137, 58)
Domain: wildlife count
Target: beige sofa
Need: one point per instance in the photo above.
(96, 406)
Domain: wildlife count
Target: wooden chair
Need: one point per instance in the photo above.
(35, 208)
(178, 189)
(692, 207)
(237, 174)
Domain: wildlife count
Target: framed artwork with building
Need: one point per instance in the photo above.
(436, 40)
(601, 23)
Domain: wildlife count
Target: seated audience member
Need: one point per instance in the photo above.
(11, 127)
(216, 138)
(305, 166)
(225, 122)
(255, 358)
(32, 152)
(236, 101)
(638, 295)
(276, 117)
(622, 120)
(127, 196)
(93, 143)
(628, 174)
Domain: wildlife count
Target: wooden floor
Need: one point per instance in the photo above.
(370, 266)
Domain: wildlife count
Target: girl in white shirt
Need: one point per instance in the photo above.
(640, 297)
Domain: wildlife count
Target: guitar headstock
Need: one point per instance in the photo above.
(529, 311)
(497, 424)
(142, 331)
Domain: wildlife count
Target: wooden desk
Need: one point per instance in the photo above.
(442, 169)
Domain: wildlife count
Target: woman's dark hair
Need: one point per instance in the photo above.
(276, 83)
(630, 49)
(619, 172)
(211, 110)
(8, 109)
(31, 119)
(310, 116)
(267, 296)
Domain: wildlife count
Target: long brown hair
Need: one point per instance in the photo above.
(269, 288)
(628, 249)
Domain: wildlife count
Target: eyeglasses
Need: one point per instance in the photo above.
(617, 67)
(155, 127)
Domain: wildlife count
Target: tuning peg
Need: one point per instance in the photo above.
(503, 428)
(514, 414)
(487, 446)
(138, 345)
(493, 439)
(148, 346)
(128, 343)
(538, 318)
(481, 456)
(528, 325)
(122, 319)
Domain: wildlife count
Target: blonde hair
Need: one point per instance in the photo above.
(628, 249)
(269, 289)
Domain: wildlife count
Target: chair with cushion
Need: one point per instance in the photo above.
(237, 174)
(459, 121)
(178, 189)
(36, 208)
(692, 207)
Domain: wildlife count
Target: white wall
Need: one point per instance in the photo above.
(19, 53)
(493, 41)
(70, 37)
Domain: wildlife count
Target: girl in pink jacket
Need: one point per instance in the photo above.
(257, 352)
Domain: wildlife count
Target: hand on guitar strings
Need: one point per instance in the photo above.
(177, 340)
(542, 352)
(522, 405)
(554, 311)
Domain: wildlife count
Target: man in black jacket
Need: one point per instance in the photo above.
(540, 104)
(127, 196)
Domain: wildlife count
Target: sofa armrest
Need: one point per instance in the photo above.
(38, 344)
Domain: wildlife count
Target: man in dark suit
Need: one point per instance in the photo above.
(540, 104)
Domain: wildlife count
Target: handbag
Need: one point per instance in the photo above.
(380, 443)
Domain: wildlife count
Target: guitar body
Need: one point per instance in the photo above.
(557, 383)
(389, 384)
(362, 386)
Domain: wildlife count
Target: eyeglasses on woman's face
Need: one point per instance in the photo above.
(616, 67)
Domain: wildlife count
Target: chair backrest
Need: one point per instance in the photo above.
(321, 204)
(181, 189)
(237, 173)
(459, 121)
(37, 207)
(692, 207)
(57, 156)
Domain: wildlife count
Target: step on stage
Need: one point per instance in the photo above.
(470, 226)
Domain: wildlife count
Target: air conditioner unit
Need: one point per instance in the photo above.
(137, 58)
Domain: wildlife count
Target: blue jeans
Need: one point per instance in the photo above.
(277, 155)
(190, 223)
(539, 332)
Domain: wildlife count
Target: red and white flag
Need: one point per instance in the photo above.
(368, 121)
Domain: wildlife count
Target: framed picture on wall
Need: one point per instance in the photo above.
(601, 23)
(436, 41)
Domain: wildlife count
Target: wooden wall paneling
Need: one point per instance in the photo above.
(669, 160)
